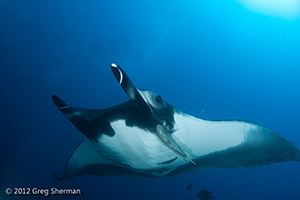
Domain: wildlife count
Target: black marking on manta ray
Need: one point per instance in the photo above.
(167, 162)
(95, 122)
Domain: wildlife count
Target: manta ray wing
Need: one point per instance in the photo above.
(85, 160)
(232, 144)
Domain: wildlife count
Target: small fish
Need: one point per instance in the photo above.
(189, 186)
(205, 195)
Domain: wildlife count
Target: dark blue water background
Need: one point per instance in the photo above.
(215, 56)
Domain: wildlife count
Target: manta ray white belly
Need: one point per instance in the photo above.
(140, 149)
(145, 153)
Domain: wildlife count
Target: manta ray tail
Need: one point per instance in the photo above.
(190, 160)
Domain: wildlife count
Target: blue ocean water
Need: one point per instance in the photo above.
(217, 56)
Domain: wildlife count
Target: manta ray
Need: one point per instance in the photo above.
(148, 137)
